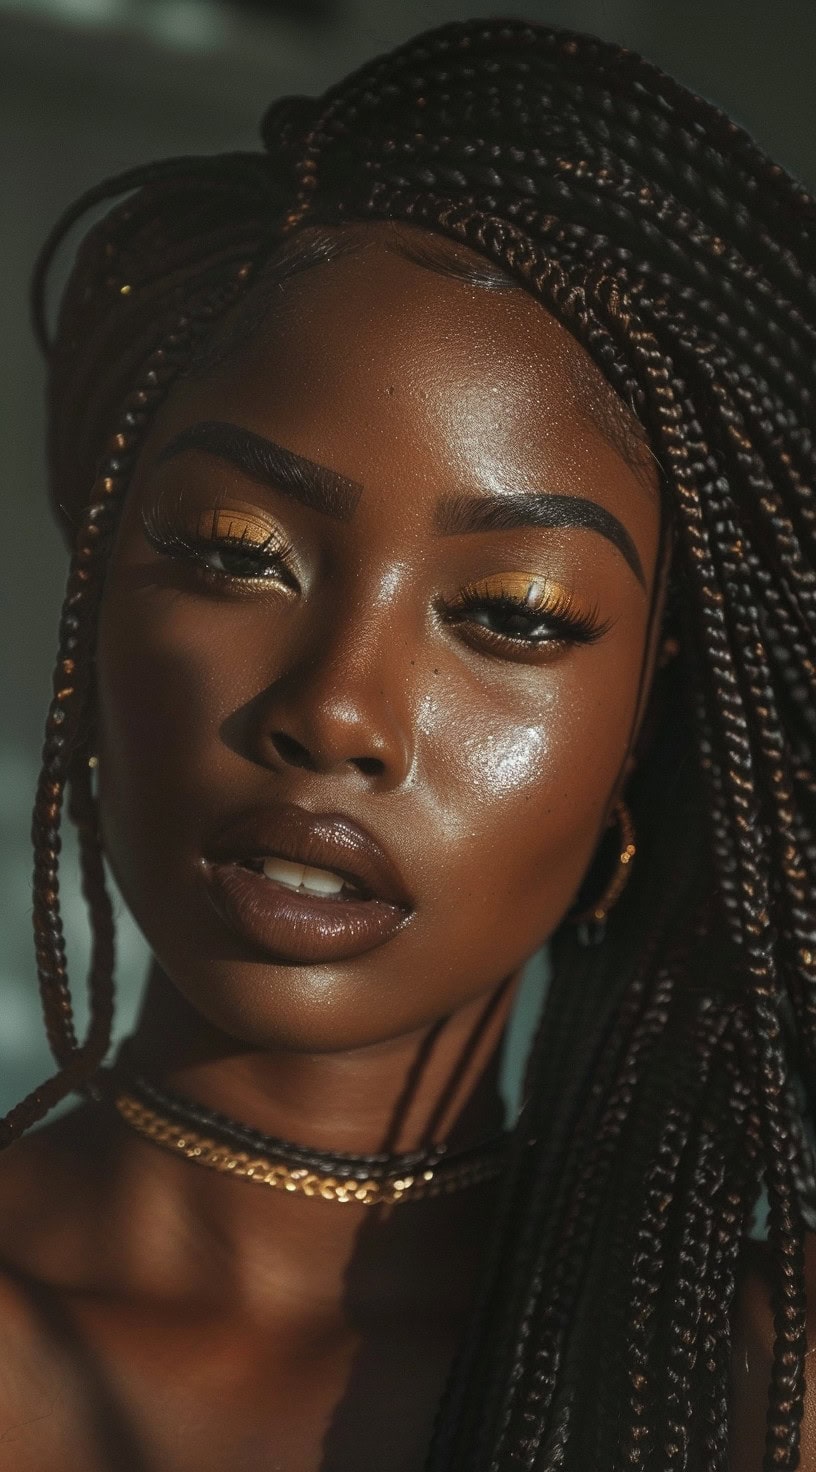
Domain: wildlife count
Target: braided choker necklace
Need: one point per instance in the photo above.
(223, 1144)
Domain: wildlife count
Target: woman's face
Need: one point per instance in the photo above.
(383, 564)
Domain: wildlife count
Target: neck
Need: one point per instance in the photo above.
(439, 1085)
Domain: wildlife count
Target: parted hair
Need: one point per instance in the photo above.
(675, 1061)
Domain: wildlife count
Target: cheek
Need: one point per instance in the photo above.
(524, 794)
(508, 762)
(166, 685)
(515, 768)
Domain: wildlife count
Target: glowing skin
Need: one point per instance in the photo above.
(375, 659)
(485, 765)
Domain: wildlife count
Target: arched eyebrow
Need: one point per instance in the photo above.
(460, 513)
(337, 496)
(313, 485)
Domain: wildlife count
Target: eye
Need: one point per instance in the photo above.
(523, 615)
(223, 546)
(235, 559)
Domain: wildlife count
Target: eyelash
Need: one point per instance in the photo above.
(274, 553)
(555, 611)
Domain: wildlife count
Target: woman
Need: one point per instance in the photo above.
(439, 483)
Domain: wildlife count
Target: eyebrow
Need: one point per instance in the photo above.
(461, 513)
(313, 485)
(337, 496)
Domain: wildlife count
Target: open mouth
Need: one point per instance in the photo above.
(304, 888)
(325, 884)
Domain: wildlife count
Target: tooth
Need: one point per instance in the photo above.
(321, 881)
(283, 872)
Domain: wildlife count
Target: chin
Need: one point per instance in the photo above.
(303, 1009)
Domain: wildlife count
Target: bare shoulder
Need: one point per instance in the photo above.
(54, 1198)
(46, 1182)
(34, 1385)
(752, 1358)
(42, 1184)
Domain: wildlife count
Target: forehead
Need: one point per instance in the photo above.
(425, 313)
(416, 382)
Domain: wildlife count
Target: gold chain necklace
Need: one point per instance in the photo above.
(386, 1181)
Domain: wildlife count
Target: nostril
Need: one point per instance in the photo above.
(370, 765)
(292, 751)
(295, 754)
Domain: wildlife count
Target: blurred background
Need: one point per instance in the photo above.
(89, 87)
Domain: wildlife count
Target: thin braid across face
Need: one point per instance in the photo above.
(659, 1090)
(66, 747)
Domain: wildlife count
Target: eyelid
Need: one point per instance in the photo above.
(536, 597)
(173, 518)
(214, 514)
(220, 524)
(175, 528)
(533, 589)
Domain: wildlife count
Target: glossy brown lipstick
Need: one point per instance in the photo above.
(291, 925)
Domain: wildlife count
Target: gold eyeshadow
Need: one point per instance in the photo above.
(533, 590)
(191, 534)
(219, 524)
(524, 612)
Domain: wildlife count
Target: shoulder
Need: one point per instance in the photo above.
(752, 1358)
(55, 1200)
(41, 1196)
(32, 1384)
(45, 1181)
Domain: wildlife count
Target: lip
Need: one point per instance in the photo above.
(290, 925)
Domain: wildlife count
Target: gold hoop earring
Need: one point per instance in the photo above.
(591, 922)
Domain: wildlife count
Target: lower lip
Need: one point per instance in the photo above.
(295, 927)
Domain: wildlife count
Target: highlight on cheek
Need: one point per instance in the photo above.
(526, 612)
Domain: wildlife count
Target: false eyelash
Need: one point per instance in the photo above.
(165, 535)
(559, 611)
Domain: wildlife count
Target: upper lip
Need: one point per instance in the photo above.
(321, 840)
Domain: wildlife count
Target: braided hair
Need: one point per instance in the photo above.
(660, 1090)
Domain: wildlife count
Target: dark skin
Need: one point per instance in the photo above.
(166, 1318)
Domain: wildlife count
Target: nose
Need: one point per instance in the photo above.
(341, 707)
